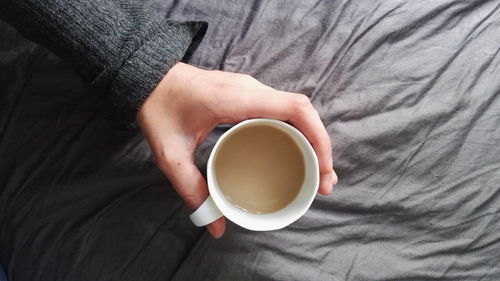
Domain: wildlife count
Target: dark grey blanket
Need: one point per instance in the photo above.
(408, 90)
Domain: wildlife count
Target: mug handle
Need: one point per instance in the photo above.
(206, 213)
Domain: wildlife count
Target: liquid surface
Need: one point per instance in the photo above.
(259, 169)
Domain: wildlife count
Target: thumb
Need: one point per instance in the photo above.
(190, 185)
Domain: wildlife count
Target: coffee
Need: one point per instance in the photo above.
(259, 168)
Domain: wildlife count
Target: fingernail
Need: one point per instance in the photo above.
(329, 187)
(211, 230)
(335, 178)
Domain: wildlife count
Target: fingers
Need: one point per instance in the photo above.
(327, 181)
(298, 110)
(189, 184)
(217, 228)
(307, 120)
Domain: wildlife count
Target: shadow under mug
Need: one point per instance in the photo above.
(217, 205)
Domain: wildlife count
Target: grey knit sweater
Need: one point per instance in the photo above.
(122, 49)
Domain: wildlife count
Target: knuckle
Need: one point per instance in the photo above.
(316, 112)
(244, 79)
(326, 167)
(301, 103)
(244, 76)
(166, 162)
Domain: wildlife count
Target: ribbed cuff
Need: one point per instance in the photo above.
(143, 70)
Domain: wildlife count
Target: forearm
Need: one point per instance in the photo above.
(123, 50)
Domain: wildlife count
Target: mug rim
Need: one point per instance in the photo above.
(289, 214)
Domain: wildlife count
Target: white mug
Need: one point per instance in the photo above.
(217, 205)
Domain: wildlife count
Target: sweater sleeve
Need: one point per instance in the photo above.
(122, 49)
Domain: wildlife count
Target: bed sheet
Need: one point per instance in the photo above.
(408, 91)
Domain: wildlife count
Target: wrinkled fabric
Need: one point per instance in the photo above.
(408, 91)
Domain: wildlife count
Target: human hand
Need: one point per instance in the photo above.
(189, 102)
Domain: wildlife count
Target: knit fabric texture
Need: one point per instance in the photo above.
(122, 49)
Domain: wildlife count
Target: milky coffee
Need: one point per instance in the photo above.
(259, 168)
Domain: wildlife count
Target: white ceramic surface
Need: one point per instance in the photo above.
(217, 205)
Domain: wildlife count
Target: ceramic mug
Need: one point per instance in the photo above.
(217, 205)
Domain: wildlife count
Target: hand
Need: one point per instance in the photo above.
(189, 102)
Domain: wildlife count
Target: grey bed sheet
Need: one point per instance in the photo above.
(408, 90)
